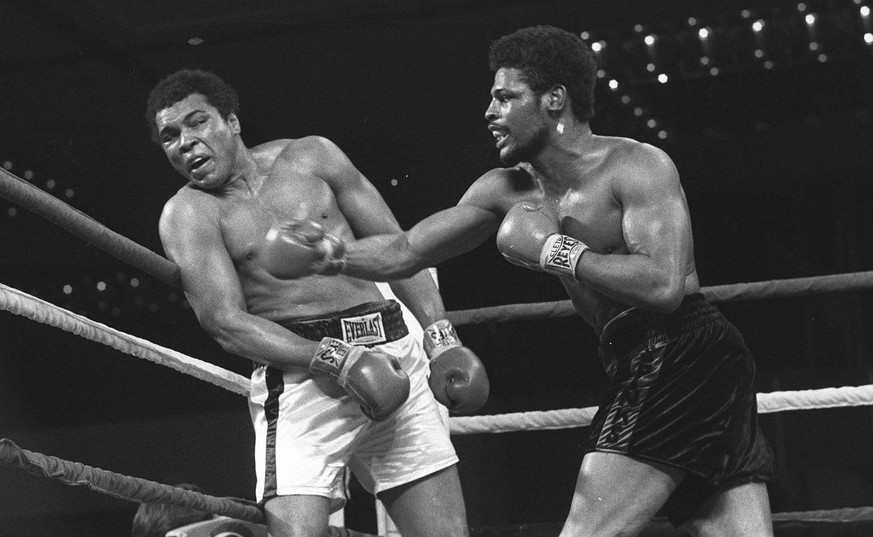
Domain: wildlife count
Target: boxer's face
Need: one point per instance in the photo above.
(516, 117)
(199, 143)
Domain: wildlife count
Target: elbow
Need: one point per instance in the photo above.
(406, 270)
(406, 262)
(220, 326)
(666, 297)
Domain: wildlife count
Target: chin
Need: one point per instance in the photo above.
(509, 157)
(515, 153)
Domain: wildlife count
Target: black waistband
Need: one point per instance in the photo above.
(371, 323)
(632, 328)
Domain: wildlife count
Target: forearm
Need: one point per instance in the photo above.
(421, 295)
(439, 237)
(634, 279)
(383, 258)
(260, 340)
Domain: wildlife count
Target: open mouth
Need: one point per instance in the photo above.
(499, 137)
(499, 134)
(196, 163)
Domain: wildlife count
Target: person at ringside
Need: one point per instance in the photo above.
(677, 429)
(338, 382)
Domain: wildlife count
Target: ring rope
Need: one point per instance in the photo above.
(21, 303)
(580, 417)
(145, 491)
(86, 228)
(833, 283)
(121, 486)
(845, 515)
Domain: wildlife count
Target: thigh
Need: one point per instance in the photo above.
(430, 506)
(412, 443)
(741, 511)
(297, 516)
(617, 495)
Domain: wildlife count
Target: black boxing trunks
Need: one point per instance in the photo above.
(371, 323)
(682, 393)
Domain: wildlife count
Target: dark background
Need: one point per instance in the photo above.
(774, 153)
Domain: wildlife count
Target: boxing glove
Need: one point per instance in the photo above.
(374, 379)
(457, 378)
(529, 237)
(298, 248)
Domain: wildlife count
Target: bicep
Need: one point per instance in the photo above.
(209, 277)
(655, 220)
(461, 228)
(364, 208)
(358, 200)
(452, 232)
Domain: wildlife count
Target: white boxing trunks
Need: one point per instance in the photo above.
(308, 430)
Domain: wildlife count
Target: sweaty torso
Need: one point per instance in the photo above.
(587, 209)
(292, 188)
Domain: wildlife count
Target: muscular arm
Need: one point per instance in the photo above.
(191, 236)
(441, 236)
(657, 231)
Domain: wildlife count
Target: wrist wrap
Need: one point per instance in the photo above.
(560, 255)
(438, 336)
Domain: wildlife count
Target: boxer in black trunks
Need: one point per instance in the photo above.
(609, 217)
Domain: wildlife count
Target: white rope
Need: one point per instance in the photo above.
(523, 421)
(21, 303)
(813, 399)
(845, 396)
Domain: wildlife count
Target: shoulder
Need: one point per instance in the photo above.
(640, 170)
(188, 206)
(315, 153)
(317, 145)
(500, 188)
(631, 154)
(520, 177)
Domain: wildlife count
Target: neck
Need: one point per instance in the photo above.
(246, 178)
(567, 144)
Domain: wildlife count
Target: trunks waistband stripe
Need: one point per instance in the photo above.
(371, 323)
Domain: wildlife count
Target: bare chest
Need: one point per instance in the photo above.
(285, 197)
(593, 215)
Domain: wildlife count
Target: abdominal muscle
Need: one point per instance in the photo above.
(312, 296)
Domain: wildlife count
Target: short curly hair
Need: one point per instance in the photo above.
(547, 56)
(183, 83)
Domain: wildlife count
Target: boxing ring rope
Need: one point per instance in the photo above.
(18, 190)
(845, 396)
(136, 489)
(25, 305)
(121, 486)
(834, 283)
